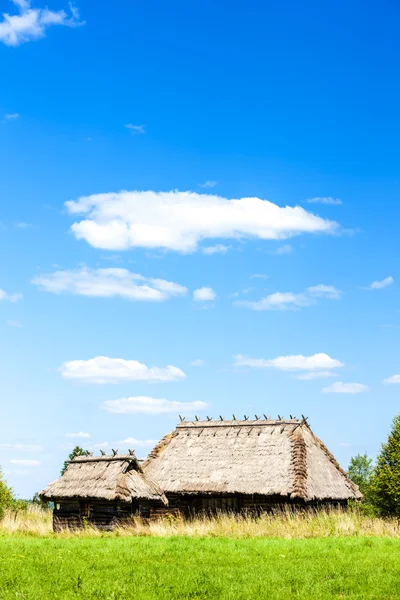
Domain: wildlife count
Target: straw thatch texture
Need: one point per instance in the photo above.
(269, 458)
(105, 478)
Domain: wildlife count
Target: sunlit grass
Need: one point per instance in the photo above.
(288, 524)
(198, 568)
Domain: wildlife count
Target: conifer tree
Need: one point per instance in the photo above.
(77, 451)
(385, 485)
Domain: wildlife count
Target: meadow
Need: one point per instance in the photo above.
(323, 555)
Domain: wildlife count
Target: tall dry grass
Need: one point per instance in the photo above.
(288, 524)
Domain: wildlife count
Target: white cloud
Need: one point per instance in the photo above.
(198, 362)
(208, 184)
(135, 129)
(22, 447)
(339, 387)
(10, 297)
(217, 249)
(285, 249)
(79, 435)
(258, 276)
(378, 285)
(31, 23)
(327, 200)
(25, 462)
(180, 220)
(151, 406)
(11, 116)
(102, 369)
(134, 443)
(392, 379)
(291, 300)
(108, 283)
(344, 444)
(295, 362)
(204, 294)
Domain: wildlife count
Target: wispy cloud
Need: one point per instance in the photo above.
(151, 406)
(10, 116)
(378, 285)
(31, 23)
(258, 276)
(25, 462)
(323, 200)
(198, 362)
(392, 379)
(315, 375)
(204, 294)
(217, 249)
(180, 220)
(208, 184)
(109, 283)
(133, 443)
(285, 249)
(22, 447)
(339, 387)
(135, 129)
(10, 297)
(291, 300)
(324, 291)
(13, 323)
(23, 225)
(79, 435)
(102, 369)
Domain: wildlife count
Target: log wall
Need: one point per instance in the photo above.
(190, 505)
(102, 514)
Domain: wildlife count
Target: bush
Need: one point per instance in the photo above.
(6, 495)
(385, 484)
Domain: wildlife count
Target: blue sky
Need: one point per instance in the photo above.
(212, 285)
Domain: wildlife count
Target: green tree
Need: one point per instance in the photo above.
(385, 485)
(360, 472)
(6, 495)
(77, 451)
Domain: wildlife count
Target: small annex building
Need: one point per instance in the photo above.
(102, 491)
(241, 465)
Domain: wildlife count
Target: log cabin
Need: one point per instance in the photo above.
(246, 465)
(102, 492)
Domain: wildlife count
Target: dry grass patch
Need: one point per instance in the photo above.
(284, 524)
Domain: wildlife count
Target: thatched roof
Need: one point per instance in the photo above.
(273, 458)
(106, 477)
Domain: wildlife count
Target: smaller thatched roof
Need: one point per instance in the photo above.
(106, 478)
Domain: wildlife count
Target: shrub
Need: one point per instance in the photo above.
(6, 495)
(360, 471)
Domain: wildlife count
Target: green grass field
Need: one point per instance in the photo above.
(147, 568)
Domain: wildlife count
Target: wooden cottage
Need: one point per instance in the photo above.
(246, 465)
(102, 491)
